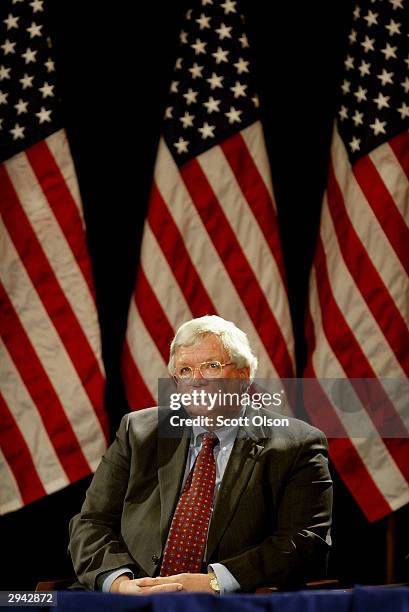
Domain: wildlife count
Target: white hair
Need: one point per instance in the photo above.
(233, 339)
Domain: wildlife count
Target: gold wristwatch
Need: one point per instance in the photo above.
(214, 584)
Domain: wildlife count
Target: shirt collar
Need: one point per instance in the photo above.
(226, 434)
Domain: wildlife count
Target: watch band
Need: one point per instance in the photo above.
(214, 583)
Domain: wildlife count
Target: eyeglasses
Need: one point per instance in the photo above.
(208, 369)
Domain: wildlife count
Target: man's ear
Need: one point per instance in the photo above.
(245, 379)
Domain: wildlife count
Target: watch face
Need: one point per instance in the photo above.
(214, 585)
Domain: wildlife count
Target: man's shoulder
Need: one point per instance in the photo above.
(144, 421)
(289, 429)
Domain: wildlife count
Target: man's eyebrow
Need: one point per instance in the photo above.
(206, 361)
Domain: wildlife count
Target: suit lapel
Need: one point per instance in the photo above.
(172, 456)
(247, 447)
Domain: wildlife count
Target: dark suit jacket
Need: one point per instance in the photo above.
(272, 513)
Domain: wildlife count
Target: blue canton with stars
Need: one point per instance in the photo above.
(374, 104)
(29, 107)
(212, 95)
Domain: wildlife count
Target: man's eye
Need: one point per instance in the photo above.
(184, 370)
(213, 365)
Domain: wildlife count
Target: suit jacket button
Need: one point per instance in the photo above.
(155, 559)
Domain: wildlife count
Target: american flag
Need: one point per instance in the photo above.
(210, 242)
(359, 291)
(53, 425)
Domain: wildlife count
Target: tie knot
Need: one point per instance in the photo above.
(209, 440)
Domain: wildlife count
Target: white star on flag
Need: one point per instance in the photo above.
(233, 115)
(207, 130)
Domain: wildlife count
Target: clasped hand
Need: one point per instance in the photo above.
(162, 584)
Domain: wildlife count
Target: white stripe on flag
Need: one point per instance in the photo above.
(60, 150)
(369, 230)
(251, 239)
(10, 496)
(375, 456)
(143, 349)
(26, 415)
(51, 352)
(56, 249)
(162, 281)
(204, 255)
(254, 138)
(357, 315)
(394, 177)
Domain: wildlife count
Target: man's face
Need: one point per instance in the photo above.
(209, 349)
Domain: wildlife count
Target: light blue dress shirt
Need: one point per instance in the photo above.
(226, 436)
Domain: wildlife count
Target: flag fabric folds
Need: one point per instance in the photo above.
(357, 325)
(53, 425)
(211, 243)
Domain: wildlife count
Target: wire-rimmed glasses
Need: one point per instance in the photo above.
(208, 369)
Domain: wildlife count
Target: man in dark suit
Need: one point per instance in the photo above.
(214, 506)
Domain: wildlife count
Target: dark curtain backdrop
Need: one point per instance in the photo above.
(114, 62)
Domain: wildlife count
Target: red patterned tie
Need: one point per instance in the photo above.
(186, 543)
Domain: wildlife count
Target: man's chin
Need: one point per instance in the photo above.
(217, 414)
(195, 411)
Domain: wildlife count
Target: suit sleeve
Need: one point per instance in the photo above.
(95, 542)
(298, 548)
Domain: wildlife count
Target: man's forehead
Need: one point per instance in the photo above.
(208, 347)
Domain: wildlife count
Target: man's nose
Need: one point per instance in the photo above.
(197, 369)
(197, 376)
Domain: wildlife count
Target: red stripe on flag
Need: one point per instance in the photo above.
(39, 386)
(137, 393)
(353, 360)
(237, 266)
(400, 146)
(256, 193)
(173, 247)
(62, 204)
(52, 297)
(357, 478)
(18, 457)
(342, 452)
(384, 208)
(367, 278)
(153, 315)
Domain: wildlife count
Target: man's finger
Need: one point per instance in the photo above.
(172, 586)
(145, 582)
(131, 588)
